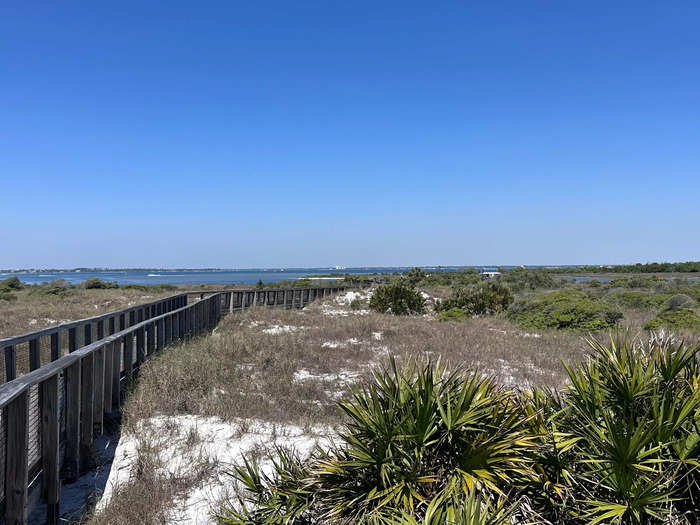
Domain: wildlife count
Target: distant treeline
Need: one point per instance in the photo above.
(664, 267)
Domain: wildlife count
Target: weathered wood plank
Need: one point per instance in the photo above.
(55, 345)
(50, 451)
(34, 354)
(99, 391)
(10, 363)
(71, 456)
(129, 358)
(107, 378)
(87, 399)
(16, 467)
(116, 374)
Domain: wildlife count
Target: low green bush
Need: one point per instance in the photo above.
(680, 319)
(397, 298)
(637, 299)
(564, 310)
(415, 276)
(11, 283)
(486, 297)
(95, 283)
(519, 279)
(454, 314)
(355, 304)
(57, 287)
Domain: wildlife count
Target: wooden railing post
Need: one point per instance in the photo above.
(71, 456)
(99, 391)
(50, 451)
(129, 358)
(87, 330)
(55, 345)
(34, 355)
(140, 347)
(116, 375)
(16, 467)
(107, 378)
(10, 363)
(72, 340)
(87, 399)
(150, 338)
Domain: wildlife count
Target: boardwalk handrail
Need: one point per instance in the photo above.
(50, 415)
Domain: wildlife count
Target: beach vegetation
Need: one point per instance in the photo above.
(678, 319)
(483, 298)
(564, 310)
(397, 298)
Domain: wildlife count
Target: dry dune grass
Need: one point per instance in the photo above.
(33, 312)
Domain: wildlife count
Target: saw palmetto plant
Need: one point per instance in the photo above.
(424, 444)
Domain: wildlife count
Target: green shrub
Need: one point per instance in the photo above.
(95, 283)
(486, 297)
(397, 298)
(12, 283)
(57, 287)
(630, 425)
(415, 276)
(454, 314)
(519, 279)
(564, 310)
(355, 304)
(641, 300)
(413, 433)
(681, 319)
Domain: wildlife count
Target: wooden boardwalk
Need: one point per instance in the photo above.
(60, 383)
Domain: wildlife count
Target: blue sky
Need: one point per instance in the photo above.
(266, 134)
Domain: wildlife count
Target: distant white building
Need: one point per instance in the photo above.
(489, 273)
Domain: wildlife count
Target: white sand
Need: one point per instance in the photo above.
(219, 444)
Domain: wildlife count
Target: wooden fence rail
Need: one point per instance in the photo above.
(50, 415)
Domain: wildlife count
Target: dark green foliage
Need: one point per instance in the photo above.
(413, 434)
(356, 304)
(638, 282)
(630, 418)
(519, 279)
(680, 319)
(95, 283)
(397, 298)
(462, 277)
(564, 310)
(57, 287)
(486, 297)
(11, 283)
(454, 314)
(665, 267)
(415, 276)
(638, 299)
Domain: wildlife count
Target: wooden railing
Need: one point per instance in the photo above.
(50, 415)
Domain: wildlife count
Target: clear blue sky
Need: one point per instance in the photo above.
(248, 134)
